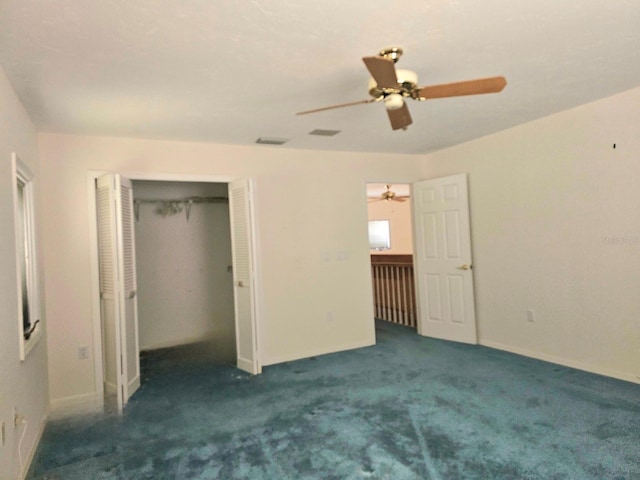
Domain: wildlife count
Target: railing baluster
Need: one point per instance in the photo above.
(401, 308)
(387, 300)
(412, 299)
(398, 293)
(392, 294)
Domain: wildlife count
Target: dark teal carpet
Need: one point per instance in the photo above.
(408, 408)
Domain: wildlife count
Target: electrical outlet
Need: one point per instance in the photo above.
(531, 316)
(83, 353)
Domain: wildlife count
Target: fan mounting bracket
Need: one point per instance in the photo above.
(392, 53)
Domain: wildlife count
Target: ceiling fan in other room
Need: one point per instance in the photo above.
(389, 196)
(392, 87)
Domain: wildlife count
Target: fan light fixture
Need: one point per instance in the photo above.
(393, 101)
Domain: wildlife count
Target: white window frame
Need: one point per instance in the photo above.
(25, 242)
(375, 226)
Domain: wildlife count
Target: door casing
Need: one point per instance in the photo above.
(418, 292)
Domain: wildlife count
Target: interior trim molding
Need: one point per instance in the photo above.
(315, 353)
(76, 405)
(565, 362)
(34, 448)
(174, 343)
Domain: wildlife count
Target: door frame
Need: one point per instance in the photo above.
(96, 322)
(396, 181)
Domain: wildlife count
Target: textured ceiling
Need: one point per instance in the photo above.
(230, 72)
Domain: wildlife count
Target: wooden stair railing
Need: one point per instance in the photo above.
(394, 289)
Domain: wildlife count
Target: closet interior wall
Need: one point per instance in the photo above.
(185, 285)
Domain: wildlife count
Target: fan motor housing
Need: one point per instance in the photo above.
(407, 83)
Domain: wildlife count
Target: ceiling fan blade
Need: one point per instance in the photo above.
(470, 87)
(382, 70)
(400, 118)
(350, 104)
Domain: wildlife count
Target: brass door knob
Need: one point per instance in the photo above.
(464, 267)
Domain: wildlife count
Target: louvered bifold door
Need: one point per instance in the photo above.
(243, 275)
(109, 311)
(118, 287)
(129, 319)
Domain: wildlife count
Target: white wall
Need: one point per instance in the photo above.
(399, 216)
(185, 289)
(313, 245)
(22, 384)
(556, 229)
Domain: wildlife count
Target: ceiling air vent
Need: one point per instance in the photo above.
(272, 140)
(324, 133)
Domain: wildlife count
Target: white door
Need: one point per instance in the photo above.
(119, 308)
(243, 275)
(442, 258)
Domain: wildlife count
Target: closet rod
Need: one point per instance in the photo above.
(172, 207)
(183, 200)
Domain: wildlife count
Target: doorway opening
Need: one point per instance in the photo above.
(391, 248)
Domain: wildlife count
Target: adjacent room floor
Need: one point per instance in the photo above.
(408, 408)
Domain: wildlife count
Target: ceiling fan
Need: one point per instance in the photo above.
(392, 86)
(389, 196)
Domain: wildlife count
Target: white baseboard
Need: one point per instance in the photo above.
(178, 342)
(110, 389)
(245, 365)
(134, 384)
(34, 447)
(315, 353)
(76, 405)
(628, 377)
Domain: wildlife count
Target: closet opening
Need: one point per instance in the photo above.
(184, 273)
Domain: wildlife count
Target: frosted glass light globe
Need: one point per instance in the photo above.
(393, 101)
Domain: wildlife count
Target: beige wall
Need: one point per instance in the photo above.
(399, 216)
(553, 224)
(312, 226)
(22, 384)
(556, 229)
